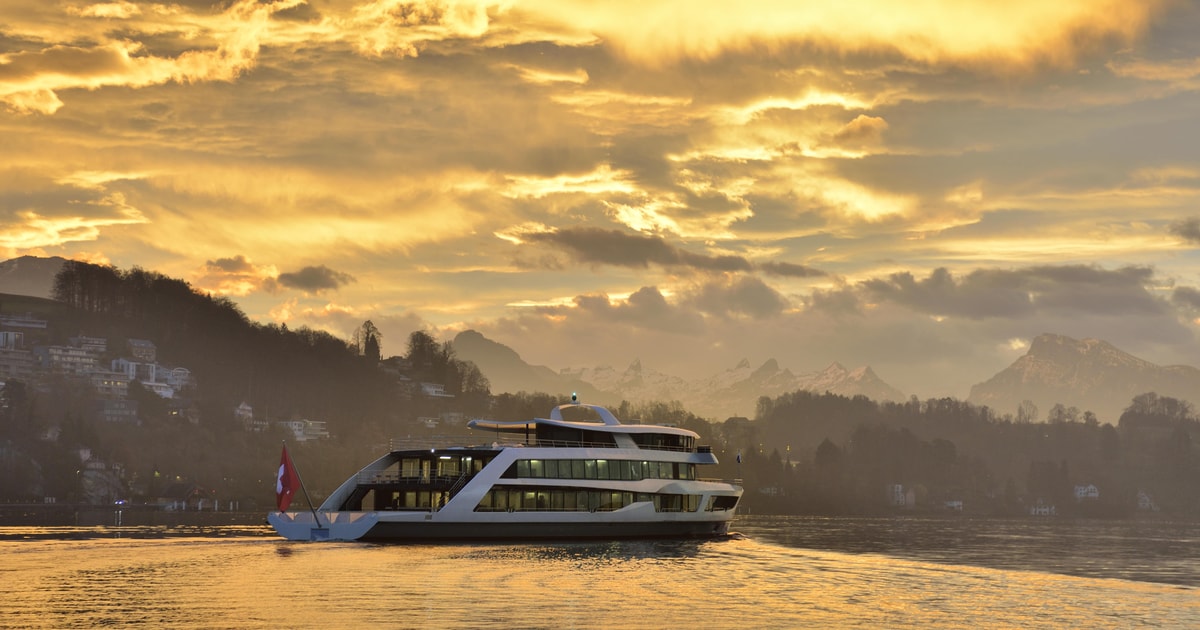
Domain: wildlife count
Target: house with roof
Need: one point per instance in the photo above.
(303, 430)
(142, 349)
(1042, 507)
(1087, 492)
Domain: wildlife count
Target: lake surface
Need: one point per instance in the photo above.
(780, 572)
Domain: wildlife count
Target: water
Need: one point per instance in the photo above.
(782, 572)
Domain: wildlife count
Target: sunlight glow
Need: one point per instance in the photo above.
(600, 181)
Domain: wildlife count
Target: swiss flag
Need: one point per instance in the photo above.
(286, 482)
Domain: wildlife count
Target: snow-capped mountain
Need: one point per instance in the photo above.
(1089, 374)
(734, 391)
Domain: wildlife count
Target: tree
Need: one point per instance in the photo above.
(1027, 412)
(368, 341)
(422, 350)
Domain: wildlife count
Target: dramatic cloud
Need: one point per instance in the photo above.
(315, 279)
(790, 269)
(1187, 229)
(236, 276)
(612, 247)
(738, 296)
(921, 186)
(30, 80)
(1187, 297)
(1020, 293)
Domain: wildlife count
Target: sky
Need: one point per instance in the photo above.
(922, 187)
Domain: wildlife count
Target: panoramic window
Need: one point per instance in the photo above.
(614, 469)
(542, 499)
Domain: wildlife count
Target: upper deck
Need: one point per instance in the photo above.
(608, 433)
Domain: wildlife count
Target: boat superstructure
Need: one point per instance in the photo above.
(541, 478)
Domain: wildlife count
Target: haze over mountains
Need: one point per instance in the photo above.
(1089, 374)
(732, 392)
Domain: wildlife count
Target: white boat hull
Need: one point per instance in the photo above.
(632, 522)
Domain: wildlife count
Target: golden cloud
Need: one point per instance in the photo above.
(862, 131)
(1170, 71)
(236, 276)
(32, 230)
(1015, 33)
(30, 80)
(403, 26)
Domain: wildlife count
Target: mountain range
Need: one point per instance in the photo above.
(1089, 374)
(733, 392)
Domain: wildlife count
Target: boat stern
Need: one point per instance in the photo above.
(324, 526)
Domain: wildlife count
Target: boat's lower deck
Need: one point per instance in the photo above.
(392, 531)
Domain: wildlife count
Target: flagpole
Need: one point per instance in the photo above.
(302, 488)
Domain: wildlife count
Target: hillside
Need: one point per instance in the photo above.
(29, 275)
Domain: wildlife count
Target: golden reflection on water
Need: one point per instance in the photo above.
(266, 582)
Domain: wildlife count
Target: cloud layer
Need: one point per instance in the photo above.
(920, 188)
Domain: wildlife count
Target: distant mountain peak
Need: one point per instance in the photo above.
(770, 367)
(731, 392)
(1090, 374)
(834, 368)
(30, 275)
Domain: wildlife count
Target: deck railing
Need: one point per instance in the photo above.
(374, 478)
(412, 443)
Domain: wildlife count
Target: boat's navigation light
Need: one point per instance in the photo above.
(574, 397)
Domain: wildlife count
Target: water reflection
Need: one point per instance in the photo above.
(1156, 551)
(779, 575)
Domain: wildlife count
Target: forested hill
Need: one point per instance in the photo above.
(54, 443)
(306, 372)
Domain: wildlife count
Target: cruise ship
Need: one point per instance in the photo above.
(546, 478)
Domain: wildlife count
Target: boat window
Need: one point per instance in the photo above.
(722, 503)
(614, 469)
(448, 466)
(410, 467)
(500, 499)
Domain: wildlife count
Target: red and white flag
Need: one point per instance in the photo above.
(286, 482)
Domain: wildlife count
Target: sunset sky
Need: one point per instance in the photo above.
(921, 186)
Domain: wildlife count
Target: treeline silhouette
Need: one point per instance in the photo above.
(823, 453)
